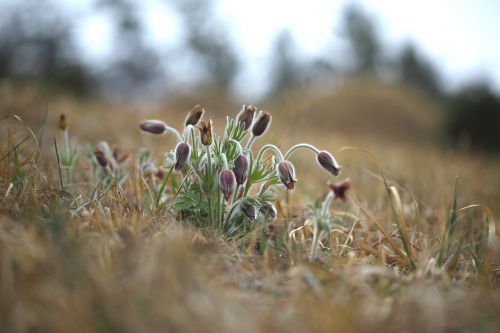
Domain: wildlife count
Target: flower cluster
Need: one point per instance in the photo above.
(225, 184)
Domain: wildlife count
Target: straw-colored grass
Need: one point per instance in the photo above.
(411, 251)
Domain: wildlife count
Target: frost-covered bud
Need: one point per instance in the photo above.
(205, 132)
(261, 124)
(248, 209)
(340, 189)
(194, 115)
(246, 115)
(269, 211)
(227, 183)
(63, 123)
(182, 153)
(286, 173)
(241, 169)
(153, 126)
(328, 162)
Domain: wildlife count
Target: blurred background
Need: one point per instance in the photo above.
(419, 72)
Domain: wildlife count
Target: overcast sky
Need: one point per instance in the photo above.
(460, 36)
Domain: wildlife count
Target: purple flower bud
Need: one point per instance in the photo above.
(241, 169)
(227, 183)
(246, 115)
(328, 162)
(194, 115)
(182, 153)
(248, 209)
(261, 124)
(153, 126)
(340, 189)
(269, 211)
(286, 172)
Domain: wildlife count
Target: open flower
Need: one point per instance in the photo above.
(153, 126)
(328, 162)
(205, 132)
(286, 173)
(182, 153)
(194, 115)
(241, 169)
(246, 115)
(340, 189)
(227, 183)
(261, 124)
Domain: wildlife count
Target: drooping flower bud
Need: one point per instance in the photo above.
(340, 189)
(262, 124)
(227, 183)
(153, 126)
(205, 132)
(241, 169)
(269, 211)
(248, 209)
(194, 115)
(246, 115)
(182, 153)
(286, 173)
(328, 162)
(63, 123)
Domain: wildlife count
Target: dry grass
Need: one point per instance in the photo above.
(115, 267)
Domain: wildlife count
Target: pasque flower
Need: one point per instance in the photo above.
(286, 173)
(328, 162)
(246, 116)
(153, 126)
(248, 209)
(205, 132)
(340, 189)
(241, 169)
(261, 124)
(227, 183)
(182, 153)
(194, 115)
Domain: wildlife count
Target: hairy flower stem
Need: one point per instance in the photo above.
(326, 203)
(314, 245)
(300, 146)
(250, 142)
(209, 191)
(172, 130)
(163, 184)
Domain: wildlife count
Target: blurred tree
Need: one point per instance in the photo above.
(36, 45)
(208, 40)
(361, 33)
(419, 72)
(136, 67)
(473, 117)
(286, 70)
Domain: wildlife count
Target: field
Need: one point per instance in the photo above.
(414, 247)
